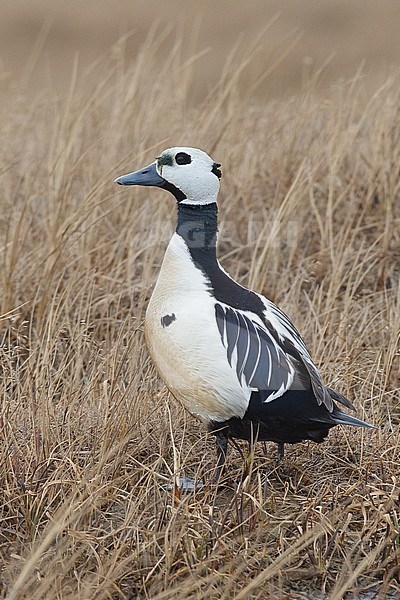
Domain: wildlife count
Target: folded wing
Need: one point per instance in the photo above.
(259, 362)
(269, 355)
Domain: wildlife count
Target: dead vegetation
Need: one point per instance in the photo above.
(310, 212)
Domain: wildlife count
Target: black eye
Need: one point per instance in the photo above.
(183, 159)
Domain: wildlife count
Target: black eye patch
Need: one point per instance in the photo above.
(183, 159)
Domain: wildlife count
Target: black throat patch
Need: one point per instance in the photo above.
(179, 195)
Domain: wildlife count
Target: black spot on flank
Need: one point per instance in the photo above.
(166, 320)
(182, 158)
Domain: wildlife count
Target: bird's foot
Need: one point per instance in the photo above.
(185, 485)
(280, 451)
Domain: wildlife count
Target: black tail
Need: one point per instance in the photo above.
(342, 418)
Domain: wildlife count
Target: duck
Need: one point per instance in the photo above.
(227, 353)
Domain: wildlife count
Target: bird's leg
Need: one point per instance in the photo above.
(222, 450)
(250, 455)
(281, 451)
(247, 460)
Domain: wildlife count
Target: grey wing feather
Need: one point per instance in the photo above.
(322, 393)
(254, 352)
(232, 328)
(293, 344)
(259, 360)
(220, 317)
(340, 398)
(242, 344)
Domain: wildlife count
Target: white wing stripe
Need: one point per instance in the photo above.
(248, 338)
(257, 358)
(232, 333)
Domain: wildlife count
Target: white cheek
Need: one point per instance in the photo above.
(199, 185)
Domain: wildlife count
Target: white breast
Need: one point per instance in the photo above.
(186, 345)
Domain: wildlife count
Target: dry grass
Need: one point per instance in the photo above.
(90, 438)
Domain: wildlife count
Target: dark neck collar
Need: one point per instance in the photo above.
(198, 226)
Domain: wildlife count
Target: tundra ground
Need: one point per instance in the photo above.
(91, 440)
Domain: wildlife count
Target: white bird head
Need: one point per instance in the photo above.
(188, 173)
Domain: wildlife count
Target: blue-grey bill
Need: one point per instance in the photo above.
(146, 176)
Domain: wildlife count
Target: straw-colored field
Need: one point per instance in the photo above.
(310, 216)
